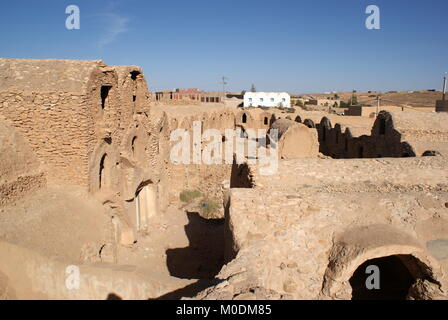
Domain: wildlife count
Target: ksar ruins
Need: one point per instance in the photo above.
(93, 207)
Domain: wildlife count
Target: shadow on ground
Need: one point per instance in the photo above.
(204, 257)
(189, 291)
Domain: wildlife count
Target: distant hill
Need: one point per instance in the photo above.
(420, 98)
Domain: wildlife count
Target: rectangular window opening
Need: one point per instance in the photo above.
(104, 95)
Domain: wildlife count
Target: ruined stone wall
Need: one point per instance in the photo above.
(47, 101)
(210, 180)
(20, 171)
(392, 135)
(56, 128)
(302, 233)
(88, 125)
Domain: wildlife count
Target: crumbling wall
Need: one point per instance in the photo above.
(47, 101)
(392, 135)
(20, 171)
(291, 231)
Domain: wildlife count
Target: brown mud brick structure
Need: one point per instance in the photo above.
(86, 124)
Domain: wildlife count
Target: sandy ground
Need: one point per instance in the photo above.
(56, 222)
(181, 247)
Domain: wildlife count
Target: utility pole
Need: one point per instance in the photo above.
(351, 98)
(444, 87)
(224, 82)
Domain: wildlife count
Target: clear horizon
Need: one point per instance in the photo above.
(293, 46)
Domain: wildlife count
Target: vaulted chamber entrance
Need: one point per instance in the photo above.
(145, 205)
(395, 278)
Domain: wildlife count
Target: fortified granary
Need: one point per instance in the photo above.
(87, 181)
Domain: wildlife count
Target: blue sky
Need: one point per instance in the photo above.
(296, 46)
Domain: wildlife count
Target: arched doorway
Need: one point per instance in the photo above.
(104, 171)
(393, 277)
(145, 205)
(395, 253)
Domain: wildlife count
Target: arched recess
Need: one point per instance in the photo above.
(380, 245)
(384, 124)
(103, 167)
(264, 119)
(244, 118)
(145, 205)
(135, 143)
(104, 172)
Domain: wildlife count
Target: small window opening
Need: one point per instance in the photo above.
(104, 95)
(134, 75)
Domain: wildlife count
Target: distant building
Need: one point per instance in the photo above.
(267, 99)
(191, 96)
(323, 102)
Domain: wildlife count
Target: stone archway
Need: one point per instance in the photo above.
(411, 271)
(134, 144)
(395, 278)
(104, 172)
(103, 166)
(145, 205)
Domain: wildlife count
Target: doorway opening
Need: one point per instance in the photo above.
(145, 205)
(394, 278)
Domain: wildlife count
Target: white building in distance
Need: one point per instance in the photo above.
(267, 99)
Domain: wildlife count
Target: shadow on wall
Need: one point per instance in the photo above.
(204, 256)
(240, 176)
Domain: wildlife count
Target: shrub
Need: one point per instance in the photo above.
(299, 103)
(208, 207)
(189, 195)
